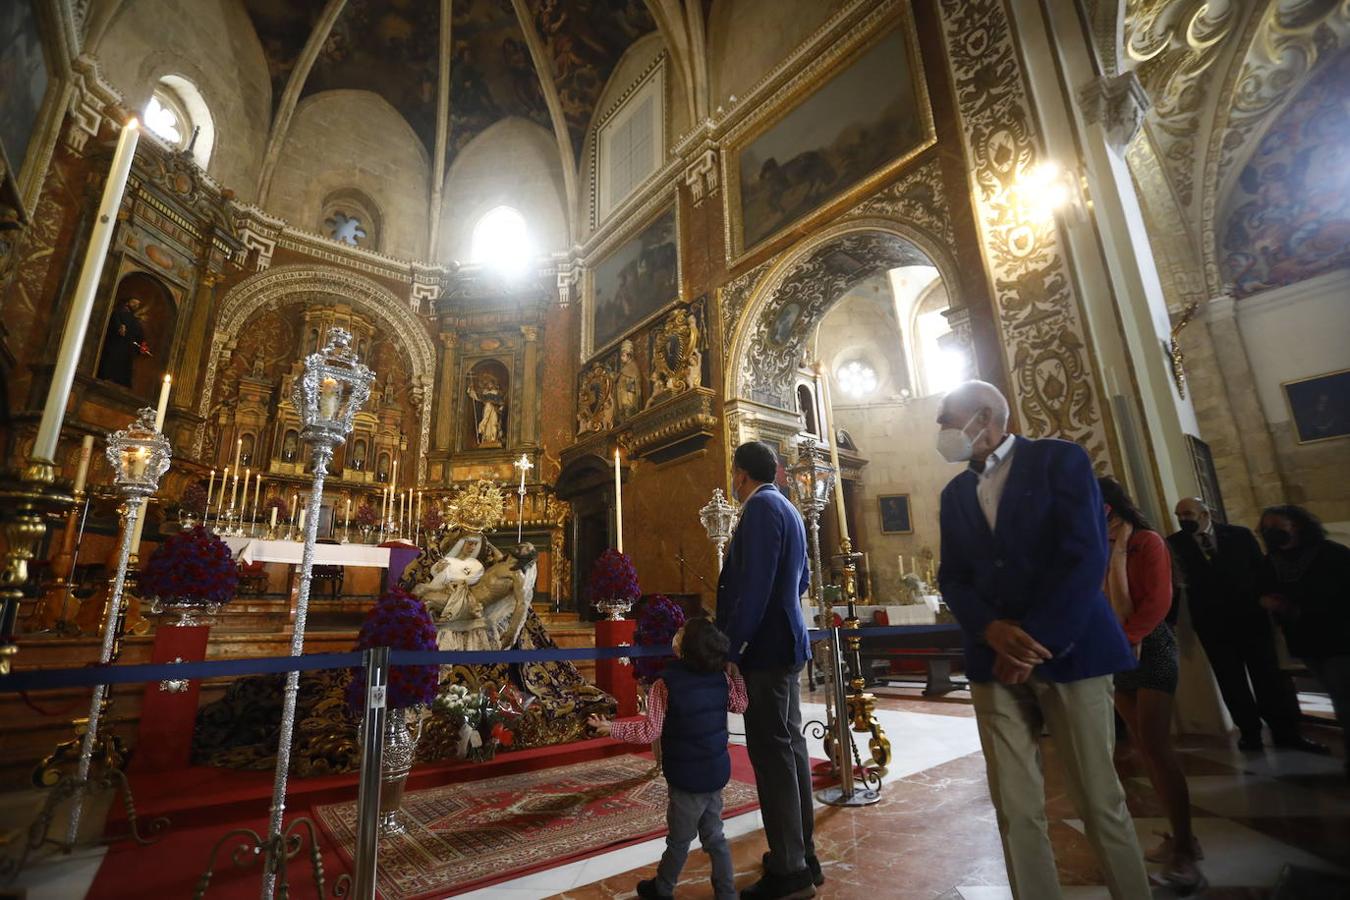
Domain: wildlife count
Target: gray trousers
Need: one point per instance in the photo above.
(777, 749)
(688, 815)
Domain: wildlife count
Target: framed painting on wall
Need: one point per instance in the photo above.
(895, 514)
(812, 152)
(635, 281)
(1319, 406)
(24, 77)
(1202, 461)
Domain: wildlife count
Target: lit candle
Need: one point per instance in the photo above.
(328, 398)
(86, 453)
(295, 506)
(419, 509)
(384, 506)
(257, 490)
(274, 518)
(347, 521)
(823, 384)
(140, 459)
(82, 300)
(393, 479)
(234, 489)
(302, 519)
(248, 473)
(210, 488)
(238, 449)
(618, 500)
(400, 510)
(224, 479)
(163, 409)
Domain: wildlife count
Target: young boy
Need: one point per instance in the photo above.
(687, 709)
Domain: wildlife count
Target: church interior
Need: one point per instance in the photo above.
(318, 319)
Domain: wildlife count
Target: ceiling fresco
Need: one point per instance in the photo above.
(583, 40)
(392, 47)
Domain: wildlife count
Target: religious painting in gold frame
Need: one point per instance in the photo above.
(896, 517)
(634, 280)
(828, 138)
(1319, 407)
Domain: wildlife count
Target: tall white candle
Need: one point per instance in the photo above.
(224, 480)
(163, 409)
(248, 473)
(274, 518)
(302, 520)
(393, 479)
(238, 449)
(347, 521)
(823, 379)
(86, 454)
(210, 488)
(82, 301)
(295, 506)
(234, 489)
(400, 511)
(618, 500)
(257, 490)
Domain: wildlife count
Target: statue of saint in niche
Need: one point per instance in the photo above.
(629, 382)
(124, 341)
(488, 405)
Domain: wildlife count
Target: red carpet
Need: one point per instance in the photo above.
(471, 835)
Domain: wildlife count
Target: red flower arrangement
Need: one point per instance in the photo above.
(279, 505)
(193, 501)
(431, 518)
(660, 618)
(613, 577)
(191, 567)
(400, 622)
(366, 516)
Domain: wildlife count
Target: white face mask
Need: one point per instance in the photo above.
(954, 444)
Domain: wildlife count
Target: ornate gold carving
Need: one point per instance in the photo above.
(595, 400)
(700, 176)
(1119, 103)
(919, 198)
(479, 506)
(1054, 389)
(676, 355)
(689, 415)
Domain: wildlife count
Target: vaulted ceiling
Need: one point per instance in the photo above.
(486, 53)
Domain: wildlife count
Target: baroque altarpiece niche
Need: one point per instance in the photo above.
(252, 414)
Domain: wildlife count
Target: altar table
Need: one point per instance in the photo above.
(252, 550)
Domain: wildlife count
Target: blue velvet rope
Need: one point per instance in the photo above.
(88, 676)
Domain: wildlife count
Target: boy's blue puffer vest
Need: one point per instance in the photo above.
(694, 736)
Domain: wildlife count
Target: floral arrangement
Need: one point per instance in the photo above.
(482, 720)
(189, 568)
(366, 516)
(660, 618)
(193, 501)
(613, 577)
(400, 622)
(431, 518)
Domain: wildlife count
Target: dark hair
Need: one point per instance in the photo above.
(1310, 528)
(704, 647)
(757, 460)
(1113, 494)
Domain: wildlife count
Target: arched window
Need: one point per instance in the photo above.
(943, 364)
(350, 217)
(501, 241)
(858, 378)
(174, 111)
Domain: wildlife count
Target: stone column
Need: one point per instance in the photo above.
(198, 339)
(1258, 446)
(529, 393)
(445, 390)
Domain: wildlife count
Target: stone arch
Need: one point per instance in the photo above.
(814, 274)
(285, 285)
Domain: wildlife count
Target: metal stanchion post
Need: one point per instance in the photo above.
(372, 757)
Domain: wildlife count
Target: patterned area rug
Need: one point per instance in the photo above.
(465, 836)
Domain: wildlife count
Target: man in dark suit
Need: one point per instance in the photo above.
(1024, 555)
(759, 607)
(1221, 566)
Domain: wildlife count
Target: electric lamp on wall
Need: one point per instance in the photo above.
(1048, 188)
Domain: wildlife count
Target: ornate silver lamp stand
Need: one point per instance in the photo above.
(719, 520)
(812, 480)
(333, 388)
(139, 456)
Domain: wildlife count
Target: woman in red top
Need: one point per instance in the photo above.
(1139, 585)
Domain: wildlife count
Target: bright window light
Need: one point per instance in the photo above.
(944, 366)
(857, 378)
(163, 121)
(502, 242)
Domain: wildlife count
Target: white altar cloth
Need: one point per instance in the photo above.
(252, 550)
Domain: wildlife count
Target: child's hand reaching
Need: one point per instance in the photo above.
(598, 724)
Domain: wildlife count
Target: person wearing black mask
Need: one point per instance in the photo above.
(1220, 566)
(1307, 587)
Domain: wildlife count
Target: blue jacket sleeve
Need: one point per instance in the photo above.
(1067, 589)
(763, 533)
(955, 575)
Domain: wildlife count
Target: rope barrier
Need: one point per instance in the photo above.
(88, 676)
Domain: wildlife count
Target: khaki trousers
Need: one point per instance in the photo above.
(1080, 717)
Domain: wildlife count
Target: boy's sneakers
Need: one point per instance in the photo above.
(648, 891)
(797, 886)
(812, 863)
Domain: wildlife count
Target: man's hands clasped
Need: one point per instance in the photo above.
(1018, 653)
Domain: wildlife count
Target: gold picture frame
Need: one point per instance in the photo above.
(598, 342)
(897, 516)
(1324, 416)
(826, 192)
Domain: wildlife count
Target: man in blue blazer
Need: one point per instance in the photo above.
(1024, 556)
(759, 607)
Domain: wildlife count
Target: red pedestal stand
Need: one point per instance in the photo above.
(611, 675)
(164, 738)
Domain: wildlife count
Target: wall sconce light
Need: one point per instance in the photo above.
(1048, 188)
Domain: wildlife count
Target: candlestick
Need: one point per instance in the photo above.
(82, 471)
(618, 502)
(82, 300)
(823, 383)
(163, 409)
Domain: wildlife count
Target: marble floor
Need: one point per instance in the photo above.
(1260, 817)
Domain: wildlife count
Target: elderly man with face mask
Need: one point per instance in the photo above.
(1220, 566)
(1024, 557)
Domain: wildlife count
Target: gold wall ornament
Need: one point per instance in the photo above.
(595, 400)
(676, 355)
(1055, 389)
(1176, 360)
(479, 506)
